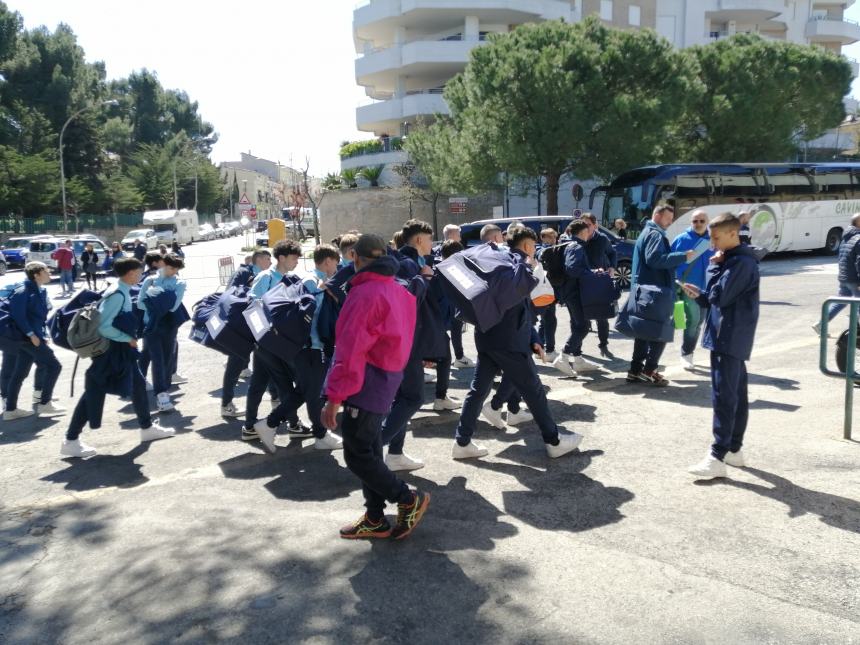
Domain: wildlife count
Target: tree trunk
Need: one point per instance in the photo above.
(316, 223)
(435, 216)
(552, 181)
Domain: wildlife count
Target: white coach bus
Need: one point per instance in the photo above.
(795, 207)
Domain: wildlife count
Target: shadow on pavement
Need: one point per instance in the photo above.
(834, 510)
(102, 471)
(559, 496)
(24, 430)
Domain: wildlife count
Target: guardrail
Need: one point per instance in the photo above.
(850, 375)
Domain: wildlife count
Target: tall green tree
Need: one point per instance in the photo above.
(763, 97)
(552, 98)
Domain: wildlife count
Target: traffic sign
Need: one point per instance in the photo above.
(252, 212)
(244, 199)
(577, 212)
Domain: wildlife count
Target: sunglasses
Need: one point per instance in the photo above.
(699, 221)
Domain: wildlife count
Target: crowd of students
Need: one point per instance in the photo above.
(382, 316)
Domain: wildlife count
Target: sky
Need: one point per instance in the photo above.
(275, 77)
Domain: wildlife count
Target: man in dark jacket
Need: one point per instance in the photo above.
(732, 300)
(139, 250)
(653, 264)
(576, 267)
(601, 255)
(507, 347)
(849, 268)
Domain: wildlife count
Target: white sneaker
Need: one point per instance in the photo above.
(155, 432)
(163, 402)
(463, 362)
(709, 468)
(266, 435)
(493, 417)
(76, 449)
(562, 364)
(429, 378)
(471, 450)
(329, 442)
(149, 386)
(735, 459)
(567, 442)
(18, 413)
(551, 356)
(49, 409)
(230, 410)
(687, 361)
(403, 462)
(178, 379)
(439, 405)
(581, 365)
(245, 373)
(523, 416)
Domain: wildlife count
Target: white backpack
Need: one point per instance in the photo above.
(543, 294)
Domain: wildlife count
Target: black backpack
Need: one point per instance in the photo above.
(552, 261)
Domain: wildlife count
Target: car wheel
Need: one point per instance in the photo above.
(623, 272)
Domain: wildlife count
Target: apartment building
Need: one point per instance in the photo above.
(267, 184)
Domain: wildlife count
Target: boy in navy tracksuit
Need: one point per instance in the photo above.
(28, 308)
(116, 371)
(577, 266)
(442, 401)
(507, 347)
(732, 301)
(427, 343)
(159, 329)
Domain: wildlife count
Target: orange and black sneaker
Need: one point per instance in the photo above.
(364, 529)
(408, 515)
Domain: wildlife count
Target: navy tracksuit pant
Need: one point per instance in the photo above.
(268, 368)
(731, 403)
(548, 325)
(309, 370)
(410, 397)
(362, 451)
(48, 370)
(520, 370)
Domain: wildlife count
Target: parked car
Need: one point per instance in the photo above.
(234, 228)
(145, 235)
(206, 232)
(471, 234)
(222, 230)
(3, 264)
(16, 250)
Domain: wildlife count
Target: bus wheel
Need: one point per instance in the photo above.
(831, 242)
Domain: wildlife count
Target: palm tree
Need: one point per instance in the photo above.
(372, 174)
(349, 176)
(332, 181)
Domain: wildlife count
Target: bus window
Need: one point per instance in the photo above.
(741, 185)
(834, 182)
(785, 183)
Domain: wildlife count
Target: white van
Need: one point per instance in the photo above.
(172, 225)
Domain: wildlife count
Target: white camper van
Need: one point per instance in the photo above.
(173, 226)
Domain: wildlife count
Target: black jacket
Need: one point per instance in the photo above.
(849, 262)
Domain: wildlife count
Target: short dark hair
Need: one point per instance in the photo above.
(152, 257)
(549, 231)
(335, 241)
(173, 260)
(576, 227)
(286, 248)
(517, 234)
(370, 246)
(126, 265)
(450, 247)
(325, 252)
(590, 217)
(725, 222)
(662, 208)
(414, 227)
(259, 253)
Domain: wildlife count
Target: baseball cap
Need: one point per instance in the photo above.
(369, 245)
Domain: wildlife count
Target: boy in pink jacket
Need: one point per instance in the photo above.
(374, 338)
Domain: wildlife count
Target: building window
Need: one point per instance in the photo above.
(634, 15)
(606, 9)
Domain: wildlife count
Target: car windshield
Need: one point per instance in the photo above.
(141, 234)
(17, 244)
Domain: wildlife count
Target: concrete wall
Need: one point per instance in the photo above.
(383, 211)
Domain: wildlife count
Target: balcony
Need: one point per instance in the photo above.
(378, 20)
(830, 30)
(424, 62)
(386, 116)
(747, 11)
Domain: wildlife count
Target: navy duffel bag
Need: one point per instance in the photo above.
(483, 282)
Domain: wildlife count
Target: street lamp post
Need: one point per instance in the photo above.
(62, 170)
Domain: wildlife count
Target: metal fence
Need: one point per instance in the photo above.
(54, 223)
(849, 372)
